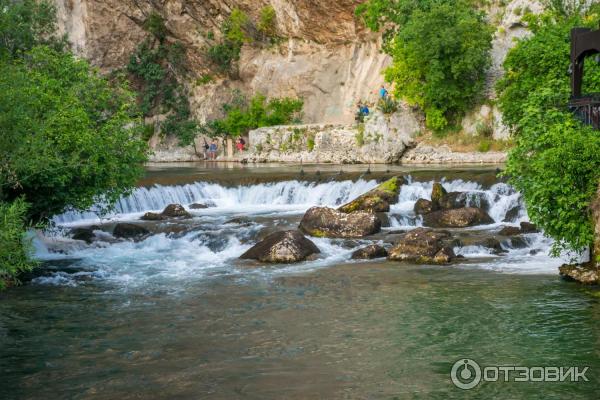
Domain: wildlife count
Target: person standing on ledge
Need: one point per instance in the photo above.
(212, 151)
(383, 93)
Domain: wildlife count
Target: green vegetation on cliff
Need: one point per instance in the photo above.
(243, 115)
(440, 51)
(69, 136)
(556, 161)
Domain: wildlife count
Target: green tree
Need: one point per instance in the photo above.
(25, 24)
(440, 51)
(69, 138)
(556, 160)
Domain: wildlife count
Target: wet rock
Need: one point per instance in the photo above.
(518, 242)
(424, 246)
(370, 252)
(444, 256)
(198, 206)
(327, 222)
(376, 200)
(176, 211)
(239, 221)
(423, 206)
(586, 273)
(528, 227)
(512, 214)
(510, 231)
(437, 194)
(171, 211)
(129, 231)
(150, 216)
(491, 243)
(457, 218)
(85, 234)
(452, 200)
(282, 247)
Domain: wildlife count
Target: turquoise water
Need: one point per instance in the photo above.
(156, 320)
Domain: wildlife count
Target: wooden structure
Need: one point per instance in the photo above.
(584, 43)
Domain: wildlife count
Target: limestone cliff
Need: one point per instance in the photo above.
(326, 57)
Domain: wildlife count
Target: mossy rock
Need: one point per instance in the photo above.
(376, 200)
(437, 195)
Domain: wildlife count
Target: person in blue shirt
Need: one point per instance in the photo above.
(364, 110)
(383, 93)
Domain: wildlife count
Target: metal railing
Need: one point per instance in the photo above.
(587, 109)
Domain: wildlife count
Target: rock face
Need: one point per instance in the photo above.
(423, 246)
(457, 218)
(282, 247)
(129, 231)
(370, 252)
(171, 211)
(327, 222)
(376, 200)
(382, 139)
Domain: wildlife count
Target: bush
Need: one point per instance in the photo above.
(440, 51)
(241, 115)
(154, 65)
(267, 23)
(556, 161)
(15, 248)
(388, 105)
(69, 138)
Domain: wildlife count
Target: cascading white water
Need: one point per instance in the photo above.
(212, 246)
(297, 195)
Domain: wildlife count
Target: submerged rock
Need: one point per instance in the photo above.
(587, 273)
(424, 246)
(327, 222)
(457, 218)
(171, 211)
(370, 252)
(282, 247)
(129, 231)
(376, 200)
(198, 206)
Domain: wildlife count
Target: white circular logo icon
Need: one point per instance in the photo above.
(465, 374)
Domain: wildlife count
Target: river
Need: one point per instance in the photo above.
(178, 316)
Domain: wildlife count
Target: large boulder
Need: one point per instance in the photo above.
(376, 200)
(424, 246)
(171, 211)
(457, 218)
(85, 234)
(587, 273)
(327, 222)
(282, 247)
(370, 252)
(129, 231)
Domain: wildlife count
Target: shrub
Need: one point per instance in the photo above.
(267, 23)
(440, 51)
(556, 161)
(241, 116)
(388, 105)
(155, 65)
(15, 248)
